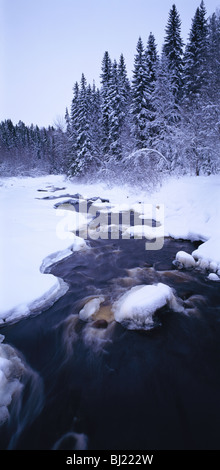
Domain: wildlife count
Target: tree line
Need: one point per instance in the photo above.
(165, 118)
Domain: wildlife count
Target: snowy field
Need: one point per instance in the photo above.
(31, 240)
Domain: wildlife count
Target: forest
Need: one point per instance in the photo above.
(164, 119)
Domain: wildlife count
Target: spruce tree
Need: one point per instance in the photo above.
(167, 112)
(173, 48)
(84, 157)
(151, 68)
(68, 124)
(73, 128)
(196, 103)
(213, 62)
(105, 105)
(116, 114)
(95, 122)
(195, 58)
(125, 104)
(124, 84)
(208, 135)
(139, 97)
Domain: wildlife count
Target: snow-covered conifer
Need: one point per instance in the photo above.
(173, 48)
(105, 105)
(139, 97)
(151, 68)
(195, 58)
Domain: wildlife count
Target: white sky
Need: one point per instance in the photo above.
(45, 45)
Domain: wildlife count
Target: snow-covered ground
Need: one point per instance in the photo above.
(32, 233)
(27, 238)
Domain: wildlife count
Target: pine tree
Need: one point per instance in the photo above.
(105, 105)
(83, 139)
(125, 115)
(67, 119)
(94, 103)
(173, 48)
(124, 84)
(152, 61)
(213, 61)
(139, 97)
(208, 135)
(73, 129)
(116, 115)
(195, 59)
(199, 114)
(167, 112)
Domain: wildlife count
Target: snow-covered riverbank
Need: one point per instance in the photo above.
(29, 233)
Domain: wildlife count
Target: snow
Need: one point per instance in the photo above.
(185, 259)
(90, 308)
(213, 277)
(34, 234)
(30, 240)
(140, 231)
(137, 306)
(11, 369)
(208, 254)
(192, 212)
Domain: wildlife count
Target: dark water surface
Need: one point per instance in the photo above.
(100, 386)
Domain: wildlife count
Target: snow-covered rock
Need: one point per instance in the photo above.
(137, 306)
(90, 308)
(213, 277)
(208, 254)
(185, 259)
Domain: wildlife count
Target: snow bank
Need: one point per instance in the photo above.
(192, 212)
(30, 241)
(137, 306)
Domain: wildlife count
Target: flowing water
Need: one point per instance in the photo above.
(97, 385)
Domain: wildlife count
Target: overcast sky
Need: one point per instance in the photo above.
(45, 45)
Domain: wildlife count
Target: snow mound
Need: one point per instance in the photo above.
(136, 307)
(213, 277)
(90, 308)
(185, 259)
(208, 254)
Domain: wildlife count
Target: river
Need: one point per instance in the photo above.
(97, 385)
